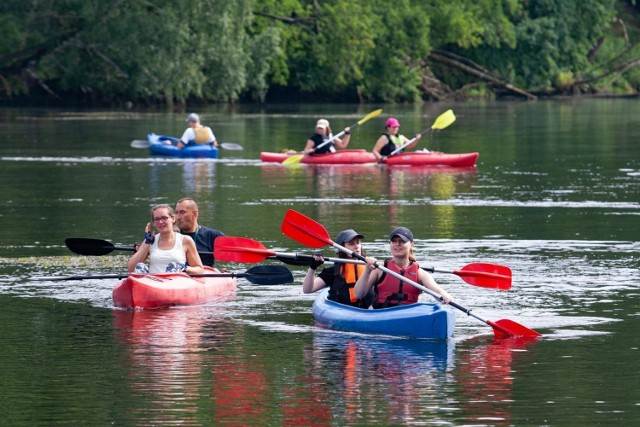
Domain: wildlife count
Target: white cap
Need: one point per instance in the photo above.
(322, 123)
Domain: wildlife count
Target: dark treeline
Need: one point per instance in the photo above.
(171, 51)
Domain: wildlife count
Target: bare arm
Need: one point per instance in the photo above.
(308, 149)
(311, 283)
(193, 258)
(427, 280)
(413, 144)
(342, 143)
(141, 254)
(381, 142)
(368, 278)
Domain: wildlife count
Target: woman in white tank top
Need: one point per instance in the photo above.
(167, 248)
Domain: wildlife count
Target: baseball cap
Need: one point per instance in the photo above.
(322, 123)
(392, 123)
(193, 117)
(402, 232)
(346, 236)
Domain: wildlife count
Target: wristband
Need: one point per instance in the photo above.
(148, 237)
(315, 264)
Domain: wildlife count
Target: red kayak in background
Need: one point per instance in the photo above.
(352, 157)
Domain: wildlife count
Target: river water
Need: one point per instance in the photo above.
(554, 196)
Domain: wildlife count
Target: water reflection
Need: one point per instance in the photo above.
(195, 176)
(366, 181)
(485, 373)
(165, 358)
(369, 378)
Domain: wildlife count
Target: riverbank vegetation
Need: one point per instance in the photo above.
(170, 52)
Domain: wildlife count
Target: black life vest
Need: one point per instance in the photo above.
(393, 143)
(320, 139)
(345, 278)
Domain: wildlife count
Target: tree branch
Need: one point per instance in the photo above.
(439, 57)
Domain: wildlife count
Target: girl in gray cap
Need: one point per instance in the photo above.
(389, 290)
(340, 278)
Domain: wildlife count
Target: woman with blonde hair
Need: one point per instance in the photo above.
(389, 290)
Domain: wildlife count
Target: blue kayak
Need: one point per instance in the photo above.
(162, 145)
(419, 320)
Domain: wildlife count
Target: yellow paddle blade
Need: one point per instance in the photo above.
(371, 115)
(291, 160)
(444, 120)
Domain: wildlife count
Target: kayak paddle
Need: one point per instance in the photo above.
(443, 121)
(142, 143)
(308, 232)
(88, 246)
(260, 275)
(298, 157)
(241, 249)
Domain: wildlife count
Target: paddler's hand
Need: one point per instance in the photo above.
(446, 298)
(148, 234)
(318, 260)
(371, 262)
(418, 136)
(347, 130)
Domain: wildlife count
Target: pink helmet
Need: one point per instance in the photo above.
(393, 123)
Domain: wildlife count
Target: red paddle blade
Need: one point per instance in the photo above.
(505, 328)
(304, 230)
(239, 249)
(486, 275)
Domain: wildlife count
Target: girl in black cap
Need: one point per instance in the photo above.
(389, 290)
(342, 277)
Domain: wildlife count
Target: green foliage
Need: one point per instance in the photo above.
(375, 50)
(552, 37)
(163, 49)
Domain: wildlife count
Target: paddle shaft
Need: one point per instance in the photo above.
(408, 143)
(367, 117)
(443, 121)
(296, 256)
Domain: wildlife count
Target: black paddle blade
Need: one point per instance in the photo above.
(86, 246)
(268, 275)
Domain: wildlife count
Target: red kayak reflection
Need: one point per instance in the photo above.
(485, 376)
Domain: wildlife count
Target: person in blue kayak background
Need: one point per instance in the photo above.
(341, 277)
(204, 237)
(391, 140)
(167, 251)
(389, 290)
(322, 134)
(196, 133)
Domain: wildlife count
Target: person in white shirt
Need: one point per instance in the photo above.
(168, 251)
(196, 133)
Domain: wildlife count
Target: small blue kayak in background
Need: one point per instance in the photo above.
(419, 320)
(162, 145)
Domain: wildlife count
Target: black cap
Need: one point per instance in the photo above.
(402, 232)
(346, 236)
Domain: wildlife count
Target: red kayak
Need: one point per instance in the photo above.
(353, 157)
(341, 157)
(432, 158)
(167, 289)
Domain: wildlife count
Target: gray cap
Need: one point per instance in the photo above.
(346, 236)
(402, 232)
(193, 117)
